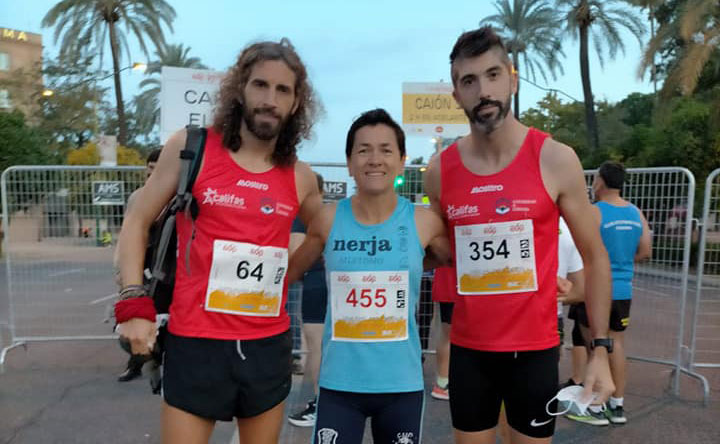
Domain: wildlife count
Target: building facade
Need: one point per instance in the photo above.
(18, 50)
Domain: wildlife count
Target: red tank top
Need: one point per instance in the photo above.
(230, 279)
(443, 286)
(503, 228)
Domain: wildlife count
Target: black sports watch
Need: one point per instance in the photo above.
(602, 342)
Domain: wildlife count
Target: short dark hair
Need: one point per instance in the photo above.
(374, 117)
(153, 156)
(613, 174)
(478, 42)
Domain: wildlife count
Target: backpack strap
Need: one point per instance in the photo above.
(190, 159)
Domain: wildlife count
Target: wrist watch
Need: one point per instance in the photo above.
(602, 342)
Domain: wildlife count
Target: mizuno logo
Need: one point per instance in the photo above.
(486, 189)
(252, 184)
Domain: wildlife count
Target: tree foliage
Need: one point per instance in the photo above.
(638, 133)
(20, 144)
(599, 22)
(89, 155)
(80, 24)
(85, 155)
(70, 116)
(529, 29)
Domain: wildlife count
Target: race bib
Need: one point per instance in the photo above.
(246, 279)
(369, 306)
(495, 258)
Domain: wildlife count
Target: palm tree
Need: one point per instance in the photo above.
(147, 104)
(651, 6)
(698, 29)
(87, 23)
(529, 30)
(604, 20)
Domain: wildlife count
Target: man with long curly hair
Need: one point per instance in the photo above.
(228, 350)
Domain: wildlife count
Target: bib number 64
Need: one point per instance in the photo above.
(244, 272)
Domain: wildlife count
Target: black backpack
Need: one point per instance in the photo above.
(160, 255)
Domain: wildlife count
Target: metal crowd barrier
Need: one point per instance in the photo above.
(705, 329)
(659, 318)
(60, 223)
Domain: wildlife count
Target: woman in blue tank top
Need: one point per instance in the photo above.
(374, 244)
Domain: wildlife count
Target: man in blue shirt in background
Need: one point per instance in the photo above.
(626, 236)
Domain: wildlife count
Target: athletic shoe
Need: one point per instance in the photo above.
(305, 418)
(615, 415)
(440, 393)
(592, 418)
(129, 374)
(134, 368)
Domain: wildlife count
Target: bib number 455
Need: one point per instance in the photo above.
(366, 297)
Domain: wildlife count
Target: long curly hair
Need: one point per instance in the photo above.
(229, 112)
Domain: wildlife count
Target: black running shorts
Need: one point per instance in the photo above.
(446, 311)
(526, 381)
(394, 417)
(619, 315)
(222, 379)
(577, 337)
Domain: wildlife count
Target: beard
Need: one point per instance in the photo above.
(485, 119)
(263, 130)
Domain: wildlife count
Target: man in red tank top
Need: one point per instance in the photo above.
(228, 350)
(500, 191)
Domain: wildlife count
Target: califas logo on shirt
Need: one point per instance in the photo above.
(371, 246)
(454, 212)
(252, 184)
(486, 189)
(228, 200)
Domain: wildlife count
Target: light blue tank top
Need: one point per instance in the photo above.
(621, 229)
(371, 342)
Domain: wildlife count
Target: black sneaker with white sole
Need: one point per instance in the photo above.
(616, 415)
(305, 418)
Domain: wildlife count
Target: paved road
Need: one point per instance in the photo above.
(66, 391)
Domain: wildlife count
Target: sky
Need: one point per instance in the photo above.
(358, 53)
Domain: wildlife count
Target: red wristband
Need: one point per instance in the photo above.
(127, 309)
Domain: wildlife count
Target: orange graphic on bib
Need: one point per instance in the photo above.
(257, 303)
(506, 279)
(372, 328)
